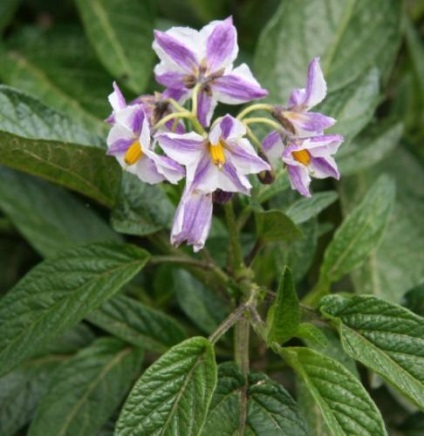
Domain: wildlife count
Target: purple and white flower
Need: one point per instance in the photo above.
(192, 220)
(204, 58)
(129, 141)
(297, 119)
(220, 161)
(305, 158)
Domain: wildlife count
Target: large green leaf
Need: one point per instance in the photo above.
(37, 140)
(21, 391)
(58, 66)
(383, 336)
(49, 217)
(336, 30)
(122, 37)
(369, 148)
(269, 409)
(137, 324)
(25, 116)
(397, 265)
(202, 306)
(274, 225)
(60, 292)
(141, 209)
(360, 232)
(343, 401)
(172, 397)
(283, 317)
(86, 390)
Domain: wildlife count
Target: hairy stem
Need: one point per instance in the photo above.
(254, 107)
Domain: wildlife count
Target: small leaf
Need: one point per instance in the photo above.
(283, 318)
(343, 401)
(306, 208)
(137, 324)
(270, 410)
(360, 233)
(141, 209)
(383, 336)
(49, 217)
(172, 397)
(122, 37)
(86, 390)
(58, 293)
(274, 225)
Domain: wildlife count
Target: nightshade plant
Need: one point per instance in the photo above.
(202, 278)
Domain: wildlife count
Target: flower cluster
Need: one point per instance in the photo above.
(158, 139)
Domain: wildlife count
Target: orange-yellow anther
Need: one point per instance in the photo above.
(217, 154)
(134, 153)
(302, 156)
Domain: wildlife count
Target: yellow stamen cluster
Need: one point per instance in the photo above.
(134, 153)
(217, 154)
(302, 156)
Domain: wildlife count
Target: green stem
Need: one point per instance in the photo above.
(262, 120)
(241, 344)
(254, 107)
(235, 251)
(227, 324)
(174, 115)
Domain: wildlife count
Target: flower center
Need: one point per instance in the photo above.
(302, 156)
(217, 154)
(134, 153)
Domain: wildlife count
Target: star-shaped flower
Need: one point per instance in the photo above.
(305, 158)
(129, 141)
(204, 58)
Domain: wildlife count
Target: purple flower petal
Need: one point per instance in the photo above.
(227, 127)
(146, 170)
(221, 45)
(321, 146)
(184, 149)
(323, 167)
(230, 180)
(169, 169)
(116, 99)
(273, 146)
(170, 79)
(172, 49)
(245, 158)
(237, 87)
(132, 118)
(205, 106)
(308, 123)
(316, 87)
(299, 179)
(119, 139)
(193, 218)
(180, 95)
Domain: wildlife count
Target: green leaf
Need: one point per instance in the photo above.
(37, 140)
(173, 395)
(360, 232)
(369, 148)
(306, 208)
(354, 105)
(60, 292)
(270, 410)
(204, 308)
(283, 317)
(21, 391)
(137, 324)
(49, 218)
(58, 66)
(86, 390)
(397, 265)
(274, 225)
(343, 401)
(122, 37)
(384, 337)
(141, 209)
(7, 10)
(25, 116)
(336, 30)
(416, 53)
